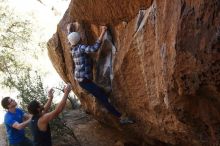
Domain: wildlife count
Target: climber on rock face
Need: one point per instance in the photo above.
(83, 69)
(41, 117)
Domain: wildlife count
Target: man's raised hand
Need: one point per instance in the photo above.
(67, 88)
(50, 93)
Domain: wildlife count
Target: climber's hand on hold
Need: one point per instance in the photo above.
(103, 30)
(69, 28)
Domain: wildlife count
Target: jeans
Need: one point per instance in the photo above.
(25, 142)
(100, 95)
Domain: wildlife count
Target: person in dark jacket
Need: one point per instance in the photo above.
(83, 69)
(41, 117)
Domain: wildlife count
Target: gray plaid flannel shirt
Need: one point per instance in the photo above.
(83, 63)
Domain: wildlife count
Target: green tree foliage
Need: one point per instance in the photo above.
(15, 68)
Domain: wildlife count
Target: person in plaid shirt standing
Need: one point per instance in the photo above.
(83, 69)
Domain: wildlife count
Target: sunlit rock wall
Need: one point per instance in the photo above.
(159, 63)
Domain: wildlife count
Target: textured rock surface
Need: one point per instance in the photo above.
(160, 64)
(90, 132)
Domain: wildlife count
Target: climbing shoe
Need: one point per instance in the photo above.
(126, 120)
